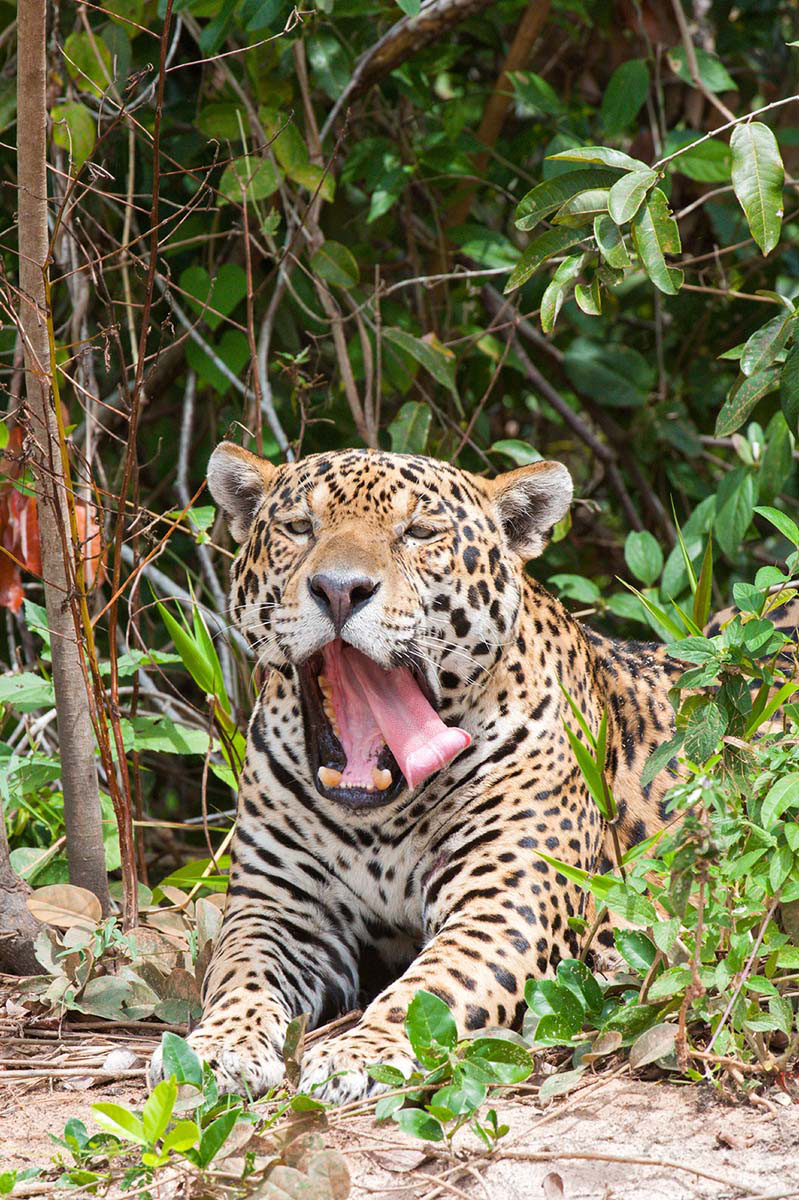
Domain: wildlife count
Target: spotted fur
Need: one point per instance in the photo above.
(444, 888)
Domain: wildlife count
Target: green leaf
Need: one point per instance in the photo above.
(735, 500)
(215, 1136)
(589, 298)
(88, 62)
(576, 976)
(75, 131)
(462, 1096)
(214, 300)
(708, 162)
(582, 207)
(521, 453)
(704, 587)
(430, 1026)
(712, 72)
(26, 692)
(627, 194)
(704, 730)
(660, 758)
(780, 867)
(180, 1060)
(554, 241)
(419, 1124)
(757, 178)
(780, 520)
(248, 178)
(506, 1061)
(410, 7)
(611, 245)
(782, 795)
(336, 264)
(670, 983)
(440, 363)
(742, 399)
(410, 428)
(158, 1109)
(643, 556)
(624, 96)
(124, 1124)
(655, 234)
(234, 351)
(547, 197)
(291, 153)
(789, 389)
(636, 949)
(603, 155)
(763, 346)
(382, 1073)
(182, 1137)
(557, 290)
(613, 375)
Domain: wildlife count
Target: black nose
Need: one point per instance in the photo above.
(341, 595)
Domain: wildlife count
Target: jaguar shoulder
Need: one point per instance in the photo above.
(406, 759)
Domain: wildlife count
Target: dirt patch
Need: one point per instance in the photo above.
(696, 1147)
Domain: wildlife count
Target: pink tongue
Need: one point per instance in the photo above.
(417, 737)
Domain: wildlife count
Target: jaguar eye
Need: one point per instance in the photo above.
(421, 533)
(299, 528)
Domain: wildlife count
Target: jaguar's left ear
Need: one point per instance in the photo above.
(530, 500)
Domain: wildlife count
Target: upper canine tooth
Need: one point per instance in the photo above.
(328, 777)
(381, 779)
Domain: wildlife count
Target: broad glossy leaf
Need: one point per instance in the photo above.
(610, 374)
(589, 297)
(180, 1060)
(158, 1109)
(429, 1025)
(655, 234)
(757, 178)
(782, 795)
(74, 130)
(780, 520)
(742, 399)
(602, 155)
(734, 508)
(505, 1061)
(582, 207)
(88, 62)
(547, 197)
(624, 96)
(519, 452)
(762, 347)
(409, 429)
(643, 556)
(419, 1124)
(627, 195)
(336, 264)
(558, 289)
(636, 949)
(113, 1118)
(249, 178)
(554, 241)
(610, 242)
(708, 162)
(712, 72)
(440, 363)
(789, 389)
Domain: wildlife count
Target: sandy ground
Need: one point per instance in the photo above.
(703, 1148)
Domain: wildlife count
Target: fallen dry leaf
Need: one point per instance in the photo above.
(64, 905)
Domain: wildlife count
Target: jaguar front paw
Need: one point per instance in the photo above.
(245, 1064)
(337, 1071)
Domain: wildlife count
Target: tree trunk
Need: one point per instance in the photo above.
(75, 734)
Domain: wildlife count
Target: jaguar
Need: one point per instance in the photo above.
(407, 774)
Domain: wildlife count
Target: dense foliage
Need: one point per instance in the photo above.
(510, 240)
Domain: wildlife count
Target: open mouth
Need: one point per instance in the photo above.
(369, 732)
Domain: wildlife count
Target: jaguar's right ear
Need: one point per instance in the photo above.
(238, 481)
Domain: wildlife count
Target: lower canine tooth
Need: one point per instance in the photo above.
(381, 779)
(328, 777)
